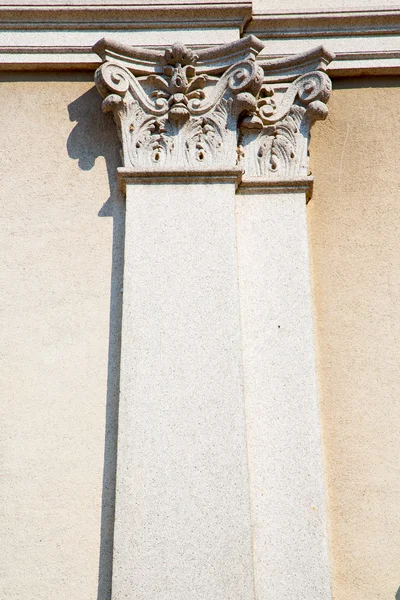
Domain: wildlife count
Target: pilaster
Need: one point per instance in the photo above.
(219, 476)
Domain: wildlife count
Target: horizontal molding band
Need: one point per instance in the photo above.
(366, 42)
(260, 185)
(332, 23)
(132, 16)
(180, 177)
(345, 64)
(244, 185)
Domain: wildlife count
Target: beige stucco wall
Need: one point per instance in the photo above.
(354, 231)
(56, 265)
(61, 252)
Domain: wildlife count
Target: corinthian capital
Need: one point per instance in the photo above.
(214, 108)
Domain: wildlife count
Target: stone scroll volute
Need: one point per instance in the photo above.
(177, 108)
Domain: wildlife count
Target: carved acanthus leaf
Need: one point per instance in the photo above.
(179, 118)
(171, 113)
(274, 138)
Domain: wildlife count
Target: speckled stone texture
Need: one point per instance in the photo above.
(284, 442)
(182, 528)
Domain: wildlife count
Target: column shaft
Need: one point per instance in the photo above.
(182, 524)
(284, 441)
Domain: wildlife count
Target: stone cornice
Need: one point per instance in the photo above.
(132, 15)
(60, 36)
(217, 109)
(333, 23)
(365, 41)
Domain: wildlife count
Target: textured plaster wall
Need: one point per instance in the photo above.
(60, 249)
(60, 271)
(354, 232)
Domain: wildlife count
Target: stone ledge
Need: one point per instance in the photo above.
(182, 176)
(243, 184)
(262, 185)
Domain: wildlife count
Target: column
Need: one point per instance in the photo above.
(219, 472)
(182, 523)
(283, 423)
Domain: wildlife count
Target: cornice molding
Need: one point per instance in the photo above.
(218, 109)
(365, 41)
(338, 23)
(134, 15)
(61, 36)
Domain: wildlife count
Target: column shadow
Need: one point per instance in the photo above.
(95, 135)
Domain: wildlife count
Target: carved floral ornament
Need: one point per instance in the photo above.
(214, 108)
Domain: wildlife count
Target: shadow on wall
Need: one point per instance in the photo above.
(397, 596)
(95, 135)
